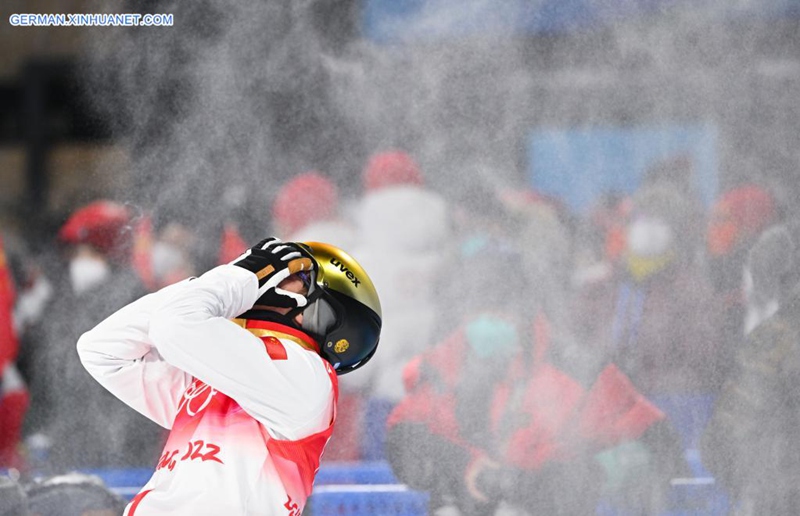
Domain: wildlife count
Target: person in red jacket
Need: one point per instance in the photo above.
(8, 335)
(484, 422)
(94, 279)
(13, 391)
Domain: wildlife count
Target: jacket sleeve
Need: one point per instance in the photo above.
(119, 354)
(292, 395)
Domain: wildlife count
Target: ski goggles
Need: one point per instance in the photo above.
(307, 277)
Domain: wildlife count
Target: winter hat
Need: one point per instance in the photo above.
(391, 168)
(104, 225)
(738, 217)
(307, 198)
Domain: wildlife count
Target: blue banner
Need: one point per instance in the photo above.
(398, 21)
(578, 165)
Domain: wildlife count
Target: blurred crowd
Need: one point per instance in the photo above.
(530, 357)
(72, 494)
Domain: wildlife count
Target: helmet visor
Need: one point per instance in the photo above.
(320, 316)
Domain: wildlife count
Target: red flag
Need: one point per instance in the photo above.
(614, 411)
(231, 244)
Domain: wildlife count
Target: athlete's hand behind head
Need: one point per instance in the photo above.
(272, 261)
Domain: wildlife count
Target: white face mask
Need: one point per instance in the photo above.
(86, 272)
(649, 238)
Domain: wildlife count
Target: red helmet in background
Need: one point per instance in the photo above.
(307, 198)
(739, 216)
(391, 168)
(104, 225)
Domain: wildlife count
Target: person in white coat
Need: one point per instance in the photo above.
(241, 365)
(403, 230)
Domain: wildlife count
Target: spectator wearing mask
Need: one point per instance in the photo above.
(402, 234)
(677, 173)
(750, 445)
(656, 318)
(84, 425)
(172, 253)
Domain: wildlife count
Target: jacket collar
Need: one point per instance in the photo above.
(277, 330)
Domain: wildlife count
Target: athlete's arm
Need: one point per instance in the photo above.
(119, 354)
(192, 331)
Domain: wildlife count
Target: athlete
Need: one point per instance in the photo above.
(241, 365)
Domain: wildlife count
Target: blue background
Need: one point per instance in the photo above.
(387, 21)
(577, 165)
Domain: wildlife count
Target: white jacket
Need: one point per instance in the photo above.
(402, 244)
(249, 409)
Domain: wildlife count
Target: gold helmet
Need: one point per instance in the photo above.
(344, 312)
